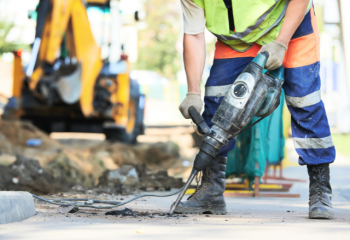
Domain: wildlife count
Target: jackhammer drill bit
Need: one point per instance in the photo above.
(178, 199)
(202, 128)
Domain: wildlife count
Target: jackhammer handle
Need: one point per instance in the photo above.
(261, 59)
(266, 54)
(198, 120)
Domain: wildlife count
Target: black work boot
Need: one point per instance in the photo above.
(320, 195)
(208, 197)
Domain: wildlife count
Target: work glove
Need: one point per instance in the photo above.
(276, 52)
(192, 99)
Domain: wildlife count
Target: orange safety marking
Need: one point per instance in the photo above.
(304, 50)
(223, 51)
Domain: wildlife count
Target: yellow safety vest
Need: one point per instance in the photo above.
(256, 21)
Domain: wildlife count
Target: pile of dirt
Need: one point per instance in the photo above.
(54, 166)
(27, 175)
(17, 133)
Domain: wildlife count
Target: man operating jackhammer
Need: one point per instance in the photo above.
(287, 31)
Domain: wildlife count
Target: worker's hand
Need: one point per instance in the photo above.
(192, 99)
(276, 52)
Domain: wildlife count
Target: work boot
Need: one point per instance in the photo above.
(320, 196)
(208, 197)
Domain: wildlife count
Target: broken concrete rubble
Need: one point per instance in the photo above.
(159, 181)
(124, 212)
(127, 212)
(68, 209)
(121, 180)
(127, 178)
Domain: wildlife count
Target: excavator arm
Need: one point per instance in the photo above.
(66, 19)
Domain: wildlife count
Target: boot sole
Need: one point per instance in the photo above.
(321, 215)
(216, 210)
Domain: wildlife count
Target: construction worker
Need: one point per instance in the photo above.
(287, 30)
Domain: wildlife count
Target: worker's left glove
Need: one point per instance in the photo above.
(276, 52)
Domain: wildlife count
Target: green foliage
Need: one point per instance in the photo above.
(157, 43)
(5, 28)
(342, 143)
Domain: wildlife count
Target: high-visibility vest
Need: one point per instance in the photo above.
(256, 21)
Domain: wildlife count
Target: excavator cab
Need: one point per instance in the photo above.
(78, 77)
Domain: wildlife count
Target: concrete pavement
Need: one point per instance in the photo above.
(15, 206)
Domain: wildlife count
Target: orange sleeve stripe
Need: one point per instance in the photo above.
(223, 51)
(304, 50)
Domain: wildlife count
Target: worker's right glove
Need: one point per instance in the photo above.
(192, 99)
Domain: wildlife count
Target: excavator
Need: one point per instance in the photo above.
(68, 85)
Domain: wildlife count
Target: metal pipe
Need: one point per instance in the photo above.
(189, 181)
(33, 57)
(115, 47)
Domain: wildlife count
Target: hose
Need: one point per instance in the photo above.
(85, 202)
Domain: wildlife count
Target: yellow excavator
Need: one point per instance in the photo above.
(68, 86)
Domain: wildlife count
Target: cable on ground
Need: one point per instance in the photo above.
(86, 202)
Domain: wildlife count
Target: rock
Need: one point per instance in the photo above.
(159, 181)
(78, 188)
(123, 213)
(121, 180)
(68, 209)
(161, 152)
(127, 178)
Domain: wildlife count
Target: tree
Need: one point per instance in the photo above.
(157, 43)
(5, 46)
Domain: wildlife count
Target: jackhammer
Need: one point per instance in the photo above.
(254, 93)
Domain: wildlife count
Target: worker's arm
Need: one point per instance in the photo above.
(194, 54)
(194, 59)
(294, 16)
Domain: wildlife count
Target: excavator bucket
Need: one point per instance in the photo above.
(69, 86)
